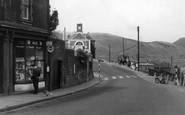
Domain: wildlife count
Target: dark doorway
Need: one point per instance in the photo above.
(1, 64)
(57, 78)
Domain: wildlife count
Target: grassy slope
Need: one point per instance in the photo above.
(152, 51)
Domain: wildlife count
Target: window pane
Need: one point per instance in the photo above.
(40, 65)
(20, 51)
(20, 64)
(29, 70)
(30, 53)
(39, 53)
(25, 2)
(25, 9)
(20, 71)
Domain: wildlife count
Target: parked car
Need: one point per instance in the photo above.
(102, 60)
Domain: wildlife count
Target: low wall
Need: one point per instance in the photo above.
(70, 71)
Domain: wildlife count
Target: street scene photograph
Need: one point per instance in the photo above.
(92, 57)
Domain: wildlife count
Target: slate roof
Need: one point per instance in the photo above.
(81, 36)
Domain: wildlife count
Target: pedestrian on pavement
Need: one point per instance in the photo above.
(177, 76)
(181, 78)
(136, 66)
(167, 78)
(35, 78)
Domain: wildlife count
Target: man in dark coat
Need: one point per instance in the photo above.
(35, 78)
(177, 71)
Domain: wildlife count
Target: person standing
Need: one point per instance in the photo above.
(177, 76)
(167, 78)
(136, 66)
(181, 78)
(35, 78)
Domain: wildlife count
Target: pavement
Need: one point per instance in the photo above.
(12, 102)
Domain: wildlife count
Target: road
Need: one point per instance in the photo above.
(121, 92)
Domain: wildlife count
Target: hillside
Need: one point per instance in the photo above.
(152, 51)
(180, 42)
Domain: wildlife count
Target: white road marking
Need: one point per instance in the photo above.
(113, 77)
(134, 76)
(121, 77)
(106, 78)
(127, 76)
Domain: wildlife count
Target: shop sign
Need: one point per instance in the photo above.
(49, 43)
(50, 49)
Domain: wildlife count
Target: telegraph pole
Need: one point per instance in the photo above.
(171, 61)
(109, 52)
(138, 56)
(123, 48)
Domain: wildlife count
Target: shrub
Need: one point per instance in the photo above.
(82, 55)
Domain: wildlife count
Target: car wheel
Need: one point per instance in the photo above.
(157, 80)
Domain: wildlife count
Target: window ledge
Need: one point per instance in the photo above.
(27, 22)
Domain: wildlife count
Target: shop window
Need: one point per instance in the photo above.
(20, 63)
(27, 54)
(39, 53)
(40, 64)
(30, 53)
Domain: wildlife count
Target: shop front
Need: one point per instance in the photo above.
(27, 53)
(20, 49)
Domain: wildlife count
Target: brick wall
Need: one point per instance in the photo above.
(66, 67)
(57, 57)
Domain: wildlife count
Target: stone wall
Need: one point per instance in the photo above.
(67, 68)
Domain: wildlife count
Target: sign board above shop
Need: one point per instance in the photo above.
(49, 43)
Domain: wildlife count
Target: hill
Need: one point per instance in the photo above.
(180, 42)
(152, 51)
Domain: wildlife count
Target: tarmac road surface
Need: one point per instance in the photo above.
(121, 92)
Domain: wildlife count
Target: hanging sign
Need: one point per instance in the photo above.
(49, 43)
(50, 49)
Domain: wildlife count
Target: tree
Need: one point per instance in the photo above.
(53, 20)
(83, 56)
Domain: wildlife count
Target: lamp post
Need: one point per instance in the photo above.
(88, 70)
(99, 68)
(109, 53)
(123, 48)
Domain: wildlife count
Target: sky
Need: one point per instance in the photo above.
(159, 20)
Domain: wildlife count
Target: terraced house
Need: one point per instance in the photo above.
(23, 35)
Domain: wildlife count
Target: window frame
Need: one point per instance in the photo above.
(26, 7)
(29, 43)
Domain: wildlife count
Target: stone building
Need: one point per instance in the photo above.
(23, 35)
(80, 40)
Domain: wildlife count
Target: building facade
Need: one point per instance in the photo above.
(23, 35)
(79, 40)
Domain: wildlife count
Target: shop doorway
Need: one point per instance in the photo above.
(58, 78)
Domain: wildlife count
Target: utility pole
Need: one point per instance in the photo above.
(123, 48)
(171, 61)
(138, 56)
(109, 52)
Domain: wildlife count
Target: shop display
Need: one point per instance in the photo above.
(27, 55)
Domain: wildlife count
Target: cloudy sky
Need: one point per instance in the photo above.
(159, 20)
